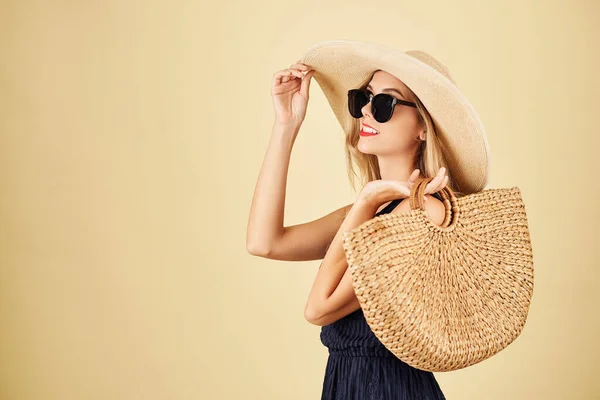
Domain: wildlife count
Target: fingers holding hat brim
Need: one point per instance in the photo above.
(305, 86)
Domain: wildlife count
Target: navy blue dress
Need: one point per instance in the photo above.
(360, 367)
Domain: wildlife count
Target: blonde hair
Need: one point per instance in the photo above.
(429, 158)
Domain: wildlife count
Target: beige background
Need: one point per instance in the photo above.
(131, 136)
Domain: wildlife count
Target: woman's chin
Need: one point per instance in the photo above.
(365, 148)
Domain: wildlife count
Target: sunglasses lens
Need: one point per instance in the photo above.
(382, 107)
(357, 99)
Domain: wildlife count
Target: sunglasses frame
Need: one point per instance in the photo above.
(372, 97)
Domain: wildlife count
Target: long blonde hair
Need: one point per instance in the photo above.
(429, 158)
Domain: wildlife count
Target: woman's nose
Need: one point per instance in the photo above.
(366, 110)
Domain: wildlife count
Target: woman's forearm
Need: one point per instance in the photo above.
(334, 264)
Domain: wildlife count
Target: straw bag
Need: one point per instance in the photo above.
(442, 298)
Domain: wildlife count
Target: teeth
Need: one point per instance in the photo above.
(370, 130)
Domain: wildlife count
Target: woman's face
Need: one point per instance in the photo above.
(399, 135)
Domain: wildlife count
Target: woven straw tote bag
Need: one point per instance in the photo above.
(444, 297)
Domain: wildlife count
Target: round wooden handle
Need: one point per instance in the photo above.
(417, 194)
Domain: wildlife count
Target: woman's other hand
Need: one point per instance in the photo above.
(377, 192)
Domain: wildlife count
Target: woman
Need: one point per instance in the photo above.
(393, 144)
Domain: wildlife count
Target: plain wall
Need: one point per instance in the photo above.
(131, 137)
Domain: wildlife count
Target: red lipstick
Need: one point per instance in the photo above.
(363, 132)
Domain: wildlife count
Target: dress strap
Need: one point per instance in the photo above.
(389, 207)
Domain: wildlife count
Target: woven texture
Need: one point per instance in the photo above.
(445, 297)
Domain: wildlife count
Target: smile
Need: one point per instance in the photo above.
(368, 131)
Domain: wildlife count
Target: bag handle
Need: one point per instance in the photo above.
(417, 193)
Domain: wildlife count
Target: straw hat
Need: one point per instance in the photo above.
(341, 65)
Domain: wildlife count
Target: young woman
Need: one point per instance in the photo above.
(393, 141)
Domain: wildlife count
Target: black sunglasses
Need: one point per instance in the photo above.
(382, 104)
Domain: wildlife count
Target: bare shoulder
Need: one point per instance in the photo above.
(434, 207)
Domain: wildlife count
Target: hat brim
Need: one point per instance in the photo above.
(341, 65)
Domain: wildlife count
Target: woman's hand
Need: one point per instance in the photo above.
(290, 93)
(379, 191)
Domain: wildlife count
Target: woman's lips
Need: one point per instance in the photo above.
(364, 133)
(370, 129)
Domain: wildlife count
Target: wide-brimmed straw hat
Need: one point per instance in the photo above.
(341, 65)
